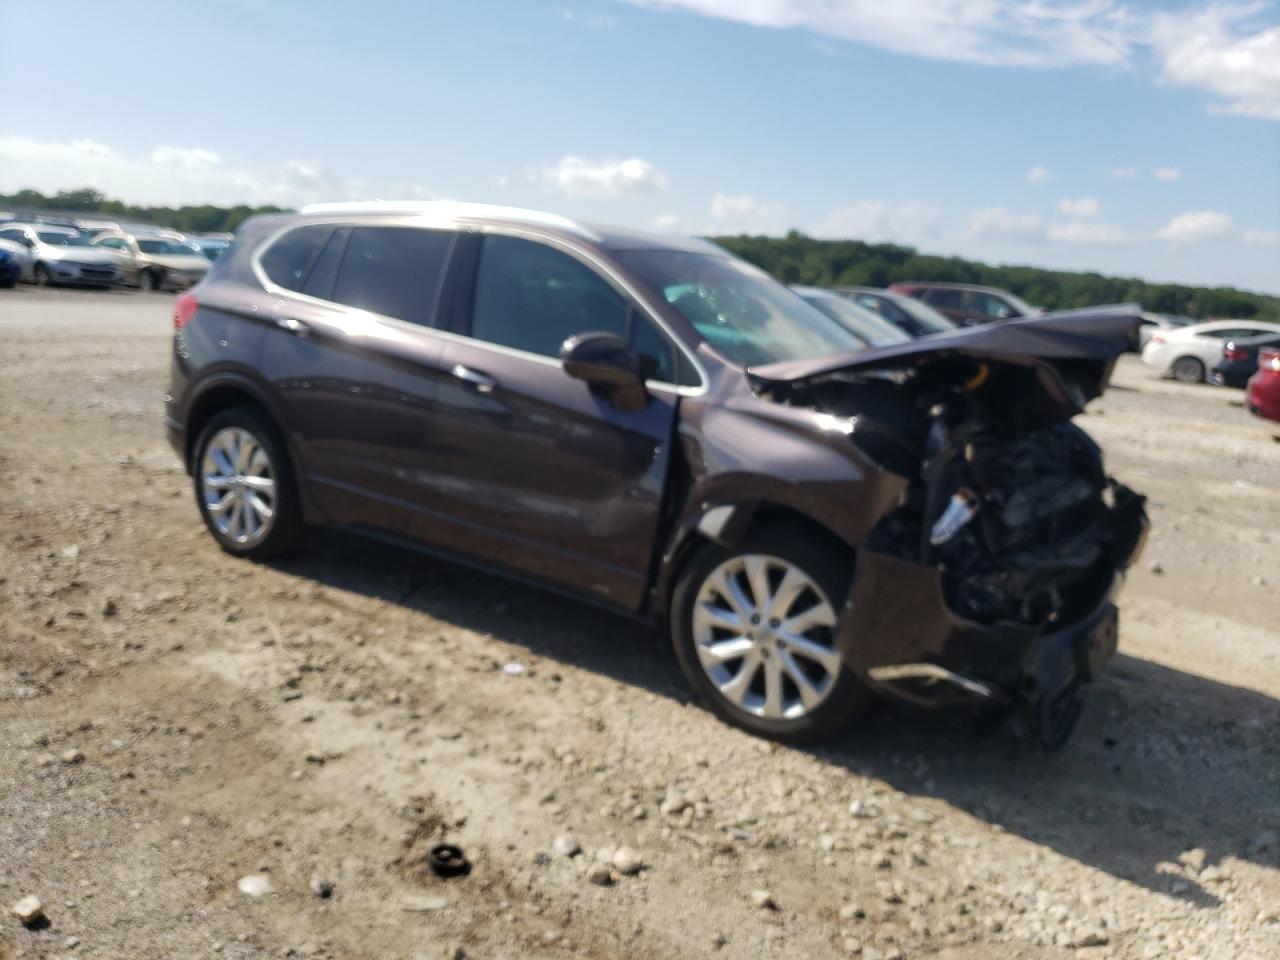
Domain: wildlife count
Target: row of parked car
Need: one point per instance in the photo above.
(56, 252)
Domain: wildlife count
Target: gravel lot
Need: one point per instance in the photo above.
(174, 720)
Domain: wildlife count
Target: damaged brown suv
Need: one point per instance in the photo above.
(654, 425)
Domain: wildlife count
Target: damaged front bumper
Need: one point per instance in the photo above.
(900, 633)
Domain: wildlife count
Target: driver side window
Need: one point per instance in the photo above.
(531, 297)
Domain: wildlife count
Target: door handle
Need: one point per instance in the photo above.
(482, 382)
(294, 326)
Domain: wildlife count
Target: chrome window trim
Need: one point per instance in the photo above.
(464, 224)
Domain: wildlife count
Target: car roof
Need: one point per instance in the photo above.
(949, 285)
(454, 213)
(814, 291)
(52, 228)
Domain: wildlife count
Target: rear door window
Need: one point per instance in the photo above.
(288, 260)
(394, 271)
(945, 298)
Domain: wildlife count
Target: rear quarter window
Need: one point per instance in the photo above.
(287, 260)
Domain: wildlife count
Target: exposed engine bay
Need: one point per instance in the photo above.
(1010, 502)
(991, 580)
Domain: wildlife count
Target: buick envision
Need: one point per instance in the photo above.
(651, 424)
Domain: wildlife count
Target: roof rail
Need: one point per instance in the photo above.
(453, 210)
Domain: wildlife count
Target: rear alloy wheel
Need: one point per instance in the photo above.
(754, 628)
(244, 485)
(147, 281)
(1188, 370)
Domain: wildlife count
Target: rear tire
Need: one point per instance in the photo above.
(707, 635)
(147, 280)
(1188, 370)
(245, 486)
(42, 276)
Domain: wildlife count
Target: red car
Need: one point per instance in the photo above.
(1262, 395)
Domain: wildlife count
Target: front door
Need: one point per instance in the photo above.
(535, 470)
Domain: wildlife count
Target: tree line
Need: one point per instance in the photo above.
(796, 258)
(205, 218)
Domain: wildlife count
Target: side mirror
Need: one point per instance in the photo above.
(605, 362)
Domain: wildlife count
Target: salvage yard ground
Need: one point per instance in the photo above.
(173, 720)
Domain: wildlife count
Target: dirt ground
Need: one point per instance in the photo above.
(173, 720)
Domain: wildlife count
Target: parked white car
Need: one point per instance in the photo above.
(1153, 323)
(60, 255)
(1188, 352)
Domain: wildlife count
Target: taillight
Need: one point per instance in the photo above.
(1269, 359)
(1232, 352)
(1157, 338)
(184, 308)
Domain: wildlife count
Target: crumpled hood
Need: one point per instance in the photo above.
(1039, 369)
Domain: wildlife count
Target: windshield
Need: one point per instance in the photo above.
(743, 313)
(55, 238)
(921, 318)
(168, 247)
(1024, 309)
(873, 330)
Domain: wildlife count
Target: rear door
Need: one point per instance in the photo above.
(356, 366)
(951, 303)
(536, 471)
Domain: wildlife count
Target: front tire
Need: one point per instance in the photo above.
(754, 629)
(1188, 370)
(244, 485)
(42, 276)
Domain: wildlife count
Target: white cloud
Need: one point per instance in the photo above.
(1222, 47)
(167, 175)
(1262, 238)
(503, 182)
(875, 220)
(1218, 49)
(1079, 206)
(1167, 174)
(743, 213)
(1029, 33)
(999, 223)
(1038, 175)
(1124, 173)
(1196, 225)
(596, 21)
(189, 158)
(578, 176)
(666, 222)
(1086, 232)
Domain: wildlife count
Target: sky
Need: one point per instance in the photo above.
(1133, 137)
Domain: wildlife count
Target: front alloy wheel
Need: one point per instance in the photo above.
(754, 627)
(763, 632)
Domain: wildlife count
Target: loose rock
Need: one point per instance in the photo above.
(423, 904)
(322, 887)
(72, 756)
(600, 874)
(567, 845)
(254, 885)
(29, 910)
(763, 899)
(627, 862)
